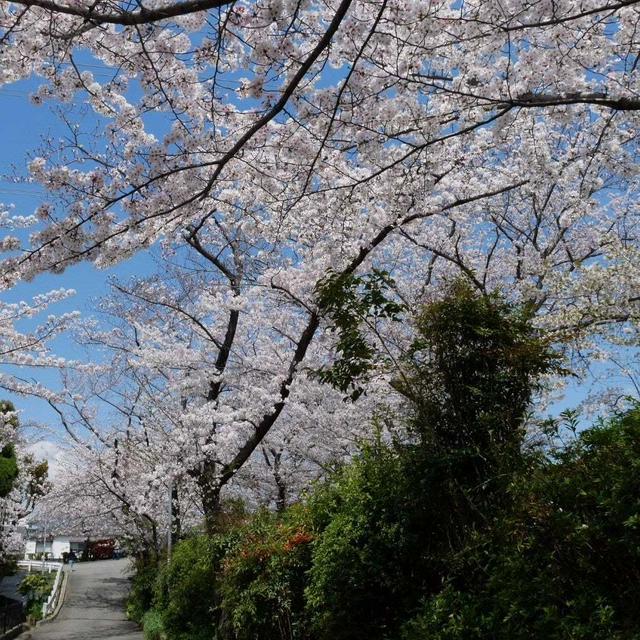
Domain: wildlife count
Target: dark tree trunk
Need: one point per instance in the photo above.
(210, 489)
(176, 520)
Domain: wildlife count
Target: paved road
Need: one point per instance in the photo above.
(93, 607)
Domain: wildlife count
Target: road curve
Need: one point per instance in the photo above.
(94, 606)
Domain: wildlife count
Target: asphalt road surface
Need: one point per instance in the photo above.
(94, 606)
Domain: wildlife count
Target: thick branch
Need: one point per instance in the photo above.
(551, 100)
(263, 427)
(570, 17)
(223, 353)
(126, 18)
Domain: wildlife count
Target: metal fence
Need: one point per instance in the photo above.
(11, 614)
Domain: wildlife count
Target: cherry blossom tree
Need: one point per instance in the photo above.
(150, 399)
(24, 336)
(90, 499)
(23, 481)
(280, 140)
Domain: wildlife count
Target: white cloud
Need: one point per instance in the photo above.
(52, 452)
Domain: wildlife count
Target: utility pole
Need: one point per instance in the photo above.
(44, 544)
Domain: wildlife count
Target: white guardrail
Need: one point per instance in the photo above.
(39, 565)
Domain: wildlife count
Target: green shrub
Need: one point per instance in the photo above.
(8, 461)
(392, 525)
(186, 591)
(34, 611)
(401, 514)
(470, 375)
(263, 577)
(36, 587)
(361, 559)
(142, 588)
(8, 469)
(152, 625)
(564, 562)
(386, 551)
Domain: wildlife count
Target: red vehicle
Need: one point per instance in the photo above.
(101, 549)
